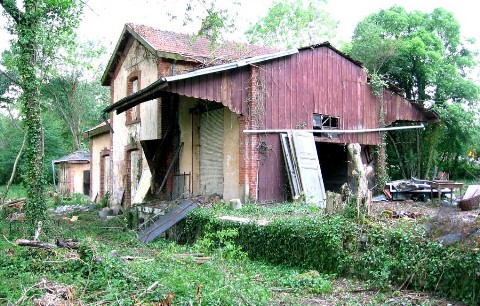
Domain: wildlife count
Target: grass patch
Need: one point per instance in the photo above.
(113, 267)
(15, 191)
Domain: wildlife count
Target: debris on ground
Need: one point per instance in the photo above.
(402, 214)
(417, 189)
(68, 209)
(55, 294)
(197, 258)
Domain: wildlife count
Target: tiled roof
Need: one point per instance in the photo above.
(197, 47)
(75, 157)
(98, 129)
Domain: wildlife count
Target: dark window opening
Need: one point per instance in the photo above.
(325, 122)
(334, 165)
(133, 114)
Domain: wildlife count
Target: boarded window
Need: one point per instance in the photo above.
(326, 122)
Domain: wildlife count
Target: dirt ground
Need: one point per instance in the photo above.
(425, 209)
(348, 292)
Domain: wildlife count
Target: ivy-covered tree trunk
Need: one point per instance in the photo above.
(40, 27)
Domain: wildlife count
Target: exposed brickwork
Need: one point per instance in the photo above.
(249, 142)
(128, 172)
(105, 152)
(164, 67)
(112, 117)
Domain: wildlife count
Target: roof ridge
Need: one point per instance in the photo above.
(193, 44)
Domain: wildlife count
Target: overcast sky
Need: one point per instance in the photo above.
(104, 19)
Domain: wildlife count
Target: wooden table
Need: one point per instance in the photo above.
(439, 185)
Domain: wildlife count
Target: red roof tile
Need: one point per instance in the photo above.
(197, 47)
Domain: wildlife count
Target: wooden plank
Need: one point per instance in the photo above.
(167, 221)
(143, 186)
(309, 168)
(289, 162)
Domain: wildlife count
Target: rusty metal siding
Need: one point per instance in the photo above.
(318, 81)
(292, 88)
(228, 87)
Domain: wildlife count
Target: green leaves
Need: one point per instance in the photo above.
(40, 27)
(293, 23)
(415, 50)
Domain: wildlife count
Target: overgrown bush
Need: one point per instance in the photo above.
(400, 256)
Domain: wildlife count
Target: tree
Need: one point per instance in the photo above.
(216, 18)
(77, 101)
(424, 55)
(39, 27)
(293, 23)
(419, 52)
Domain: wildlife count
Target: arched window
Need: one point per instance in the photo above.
(133, 85)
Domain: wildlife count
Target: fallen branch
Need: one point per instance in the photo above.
(68, 244)
(36, 244)
(14, 170)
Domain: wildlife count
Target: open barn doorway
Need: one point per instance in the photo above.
(334, 164)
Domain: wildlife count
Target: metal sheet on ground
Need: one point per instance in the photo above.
(167, 221)
(309, 168)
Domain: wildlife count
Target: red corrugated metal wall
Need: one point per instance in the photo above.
(291, 90)
(228, 87)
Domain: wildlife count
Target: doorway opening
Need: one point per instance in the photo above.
(334, 164)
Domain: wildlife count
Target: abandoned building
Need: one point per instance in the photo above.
(73, 173)
(183, 114)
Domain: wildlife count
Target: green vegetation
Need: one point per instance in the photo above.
(424, 55)
(386, 256)
(294, 23)
(40, 26)
(299, 256)
(112, 266)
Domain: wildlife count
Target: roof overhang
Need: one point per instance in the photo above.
(155, 89)
(97, 130)
(430, 114)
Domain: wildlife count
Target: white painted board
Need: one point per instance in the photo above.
(309, 168)
(143, 186)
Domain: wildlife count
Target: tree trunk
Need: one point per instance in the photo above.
(35, 208)
(360, 182)
(14, 170)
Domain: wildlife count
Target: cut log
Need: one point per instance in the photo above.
(36, 244)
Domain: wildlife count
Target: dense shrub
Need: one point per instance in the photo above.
(400, 256)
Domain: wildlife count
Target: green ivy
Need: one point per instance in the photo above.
(40, 27)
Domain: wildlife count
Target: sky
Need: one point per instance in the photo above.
(104, 19)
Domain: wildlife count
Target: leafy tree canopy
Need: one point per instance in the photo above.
(422, 53)
(293, 23)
